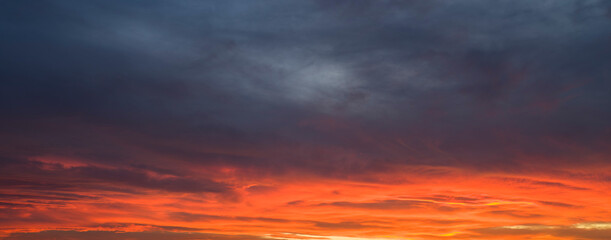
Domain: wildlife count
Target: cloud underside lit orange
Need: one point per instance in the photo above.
(417, 202)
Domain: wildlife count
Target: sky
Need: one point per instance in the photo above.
(305, 120)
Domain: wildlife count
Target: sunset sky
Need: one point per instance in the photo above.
(305, 120)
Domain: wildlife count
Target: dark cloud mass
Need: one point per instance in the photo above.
(465, 83)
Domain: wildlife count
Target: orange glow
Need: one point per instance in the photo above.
(408, 203)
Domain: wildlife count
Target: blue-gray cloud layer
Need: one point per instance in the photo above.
(333, 87)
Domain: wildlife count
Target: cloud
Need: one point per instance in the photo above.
(140, 179)
(130, 177)
(473, 84)
(529, 183)
(345, 225)
(516, 214)
(260, 189)
(195, 111)
(559, 204)
(585, 230)
(125, 227)
(110, 235)
(195, 217)
(381, 205)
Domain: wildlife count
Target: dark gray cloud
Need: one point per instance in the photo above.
(330, 88)
(85, 178)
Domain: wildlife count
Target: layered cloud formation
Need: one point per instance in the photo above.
(340, 120)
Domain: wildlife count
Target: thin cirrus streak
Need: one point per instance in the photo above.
(285, 120)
